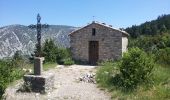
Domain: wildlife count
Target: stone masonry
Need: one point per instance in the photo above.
(39, 81)
(112, 42)
(38, 65)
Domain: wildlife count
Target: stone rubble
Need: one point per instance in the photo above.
(88, 78)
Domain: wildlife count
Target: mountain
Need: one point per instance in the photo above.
(22, 38)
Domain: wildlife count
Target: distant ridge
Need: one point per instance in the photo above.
(20, 37)
(153, 27)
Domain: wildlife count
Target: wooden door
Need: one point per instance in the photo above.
(93, 52)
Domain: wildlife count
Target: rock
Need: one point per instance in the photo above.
(88, 78)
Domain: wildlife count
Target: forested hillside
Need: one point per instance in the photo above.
(153, 37)
(158, 26)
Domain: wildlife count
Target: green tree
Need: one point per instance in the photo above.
(158, 26)
(163, 28)
(18, 60)
(50, 51)
(17, 55)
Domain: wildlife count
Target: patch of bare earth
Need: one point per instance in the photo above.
(67, 86)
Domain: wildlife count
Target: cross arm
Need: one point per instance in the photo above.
(44, 25)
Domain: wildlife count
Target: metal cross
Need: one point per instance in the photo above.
(38, 26)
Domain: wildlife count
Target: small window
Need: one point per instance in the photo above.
(93, 31)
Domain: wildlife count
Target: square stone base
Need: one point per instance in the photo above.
(40, 83)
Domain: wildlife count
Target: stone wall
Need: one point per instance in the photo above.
(110, 42)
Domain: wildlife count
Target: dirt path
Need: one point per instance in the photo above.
(67, 87)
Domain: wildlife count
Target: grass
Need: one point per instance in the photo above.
(49, 65)
(160, 90)
(104, 74)
(46, 66)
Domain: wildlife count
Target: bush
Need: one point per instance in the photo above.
(68, 61)
(163, 55)
(135, 69)
(18, 60)
(62, 54)
(8, 73)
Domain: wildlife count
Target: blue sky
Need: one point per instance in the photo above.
(119, 13)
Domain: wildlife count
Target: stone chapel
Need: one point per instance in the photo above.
(97, 42)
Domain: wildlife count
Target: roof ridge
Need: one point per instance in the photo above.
(103, 24)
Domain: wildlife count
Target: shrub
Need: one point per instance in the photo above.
(62, 54)
(135, 69)
(163, 55)
(18, 60)
(68, 61)
(8, 73)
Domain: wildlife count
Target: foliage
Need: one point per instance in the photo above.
(156, 45)
(49, 51)
(68, 61)
(158, 26)
(17, 56)
(151, 43)
(18, 60)
(63, 54)
(153, 38)
(53, 53)
(158, 91)
(135, 69)
(105, 72)
(164, 55)
(8, 73)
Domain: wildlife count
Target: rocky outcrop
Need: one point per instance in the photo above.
(21, 38)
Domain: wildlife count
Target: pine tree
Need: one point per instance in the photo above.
(49, 51)
(17, 55)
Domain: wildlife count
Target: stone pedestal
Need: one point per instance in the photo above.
(40, 83)
(38, 65)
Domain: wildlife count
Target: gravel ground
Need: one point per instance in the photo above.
(67, 86)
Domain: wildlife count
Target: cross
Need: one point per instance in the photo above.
(94, 18)
(38, 26)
